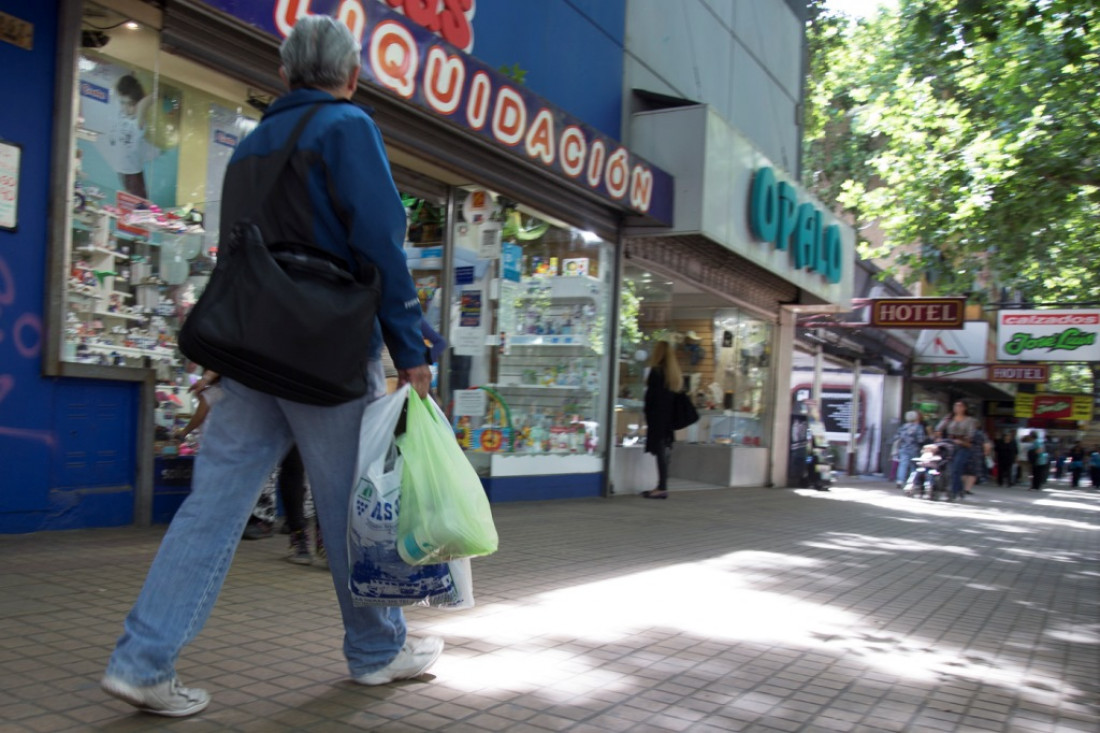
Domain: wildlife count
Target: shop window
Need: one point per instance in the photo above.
(742, 354)
(724, 354)
(529, 333)
(154, 134)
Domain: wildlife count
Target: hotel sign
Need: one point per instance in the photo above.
(403, 55)
(1031, 373)
(939, 313)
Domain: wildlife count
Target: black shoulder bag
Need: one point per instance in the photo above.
(683, 412)
(285, 318)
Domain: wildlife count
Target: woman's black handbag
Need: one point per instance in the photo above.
(284, 318)
(683, 412)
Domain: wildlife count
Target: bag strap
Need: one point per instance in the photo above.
(286, 151)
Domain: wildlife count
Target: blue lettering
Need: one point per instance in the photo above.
(788, 203)
(764, 208)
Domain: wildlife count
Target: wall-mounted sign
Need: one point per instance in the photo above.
(775, 216)
(16, 31)
(953, 354)
(418, 66)
(941, 313)
(1029, 373)
(1048, 335)
(10, 154)
(1055, 406)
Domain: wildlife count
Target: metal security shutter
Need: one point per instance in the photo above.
(212, 38)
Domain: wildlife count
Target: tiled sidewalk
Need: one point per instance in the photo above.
(732, 610)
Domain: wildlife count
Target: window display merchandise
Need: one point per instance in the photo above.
(149, 156)
(529, 333)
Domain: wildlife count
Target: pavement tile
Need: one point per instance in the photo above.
(855, 610)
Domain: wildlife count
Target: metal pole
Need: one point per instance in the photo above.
(853, 420)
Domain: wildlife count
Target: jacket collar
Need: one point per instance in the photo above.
(298, 98)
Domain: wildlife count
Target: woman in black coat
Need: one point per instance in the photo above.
(664, 380)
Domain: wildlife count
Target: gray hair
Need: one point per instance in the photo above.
(911, 416)
(320, 52)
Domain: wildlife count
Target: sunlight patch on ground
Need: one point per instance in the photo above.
(680, 607)
(1081, 634)
(1068, 505)
(884, 545)
(972, 508)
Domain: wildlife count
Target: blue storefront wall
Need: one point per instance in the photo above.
(67, 446)
(571, 51)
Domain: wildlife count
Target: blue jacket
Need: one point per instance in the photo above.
(349, 202)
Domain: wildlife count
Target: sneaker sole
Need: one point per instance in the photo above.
(300, 560)
(128, 695)
(385, 681)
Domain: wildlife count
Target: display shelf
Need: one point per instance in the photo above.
(126, 316)
(549, 340)
(548, 387)
(157, 352)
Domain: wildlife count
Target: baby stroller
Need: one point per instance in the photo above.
(929, 474)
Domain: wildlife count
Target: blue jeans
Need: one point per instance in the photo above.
(960, 462)
(246, 434)
(905, 463)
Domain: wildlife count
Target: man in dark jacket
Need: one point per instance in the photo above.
(341, 198)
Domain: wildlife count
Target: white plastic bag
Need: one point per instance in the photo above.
(377, 574)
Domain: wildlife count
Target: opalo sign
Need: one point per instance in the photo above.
(775, 216)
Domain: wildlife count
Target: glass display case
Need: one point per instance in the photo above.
(149, 155)
(529, 335)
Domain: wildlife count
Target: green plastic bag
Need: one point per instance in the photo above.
(444, 512)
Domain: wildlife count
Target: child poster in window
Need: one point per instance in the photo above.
(129, 137)
(573, 267)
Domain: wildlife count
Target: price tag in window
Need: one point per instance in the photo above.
(10, 154)
(488, 238)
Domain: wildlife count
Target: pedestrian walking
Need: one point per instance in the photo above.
(338, 187)
(911, 435)
(1005, 451)
(958, 428)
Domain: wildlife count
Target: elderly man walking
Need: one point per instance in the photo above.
(339, 190)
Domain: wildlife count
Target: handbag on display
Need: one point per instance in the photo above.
(684, 413)
(286, 318)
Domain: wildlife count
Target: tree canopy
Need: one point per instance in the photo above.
(970, 131)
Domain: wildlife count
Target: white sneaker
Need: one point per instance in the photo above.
(413, 660)
(169, 698)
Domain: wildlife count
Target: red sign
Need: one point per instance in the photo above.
(1034, 373)
(938, 313)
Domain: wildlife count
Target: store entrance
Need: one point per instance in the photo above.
(724, 353)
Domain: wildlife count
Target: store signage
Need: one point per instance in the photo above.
(417, 66)
(943, 313)
(1055, 406)
(776, 216)
(1048, 335)
(1033, 373)
(953, 354)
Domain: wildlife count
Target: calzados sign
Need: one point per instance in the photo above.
(431, 73)
(1048, 335)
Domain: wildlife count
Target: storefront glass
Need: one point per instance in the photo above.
(724, 353)
(150, 152)
(529, 339)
